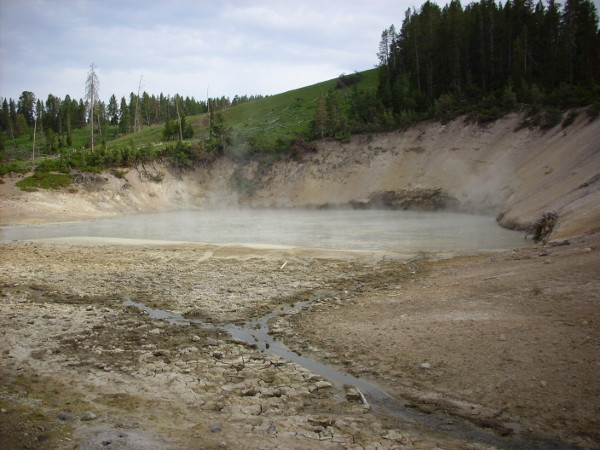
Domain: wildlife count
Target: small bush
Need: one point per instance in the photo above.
(551, 118)
(13, 167)
(92, 169)
(44, 180)
(156, 177)
(569, 119)
(52, 165)
(593, 111)
(119, 173)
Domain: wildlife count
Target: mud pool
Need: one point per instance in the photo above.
(375, 230)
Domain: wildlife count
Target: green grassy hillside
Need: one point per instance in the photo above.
(274, 122)
(268, 125)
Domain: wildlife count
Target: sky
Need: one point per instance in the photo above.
(188, 47)
(219, 47)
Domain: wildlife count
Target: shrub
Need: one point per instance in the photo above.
(156, 177)
(119, 173)
(52, 165)
(569, 119)
(13, 167)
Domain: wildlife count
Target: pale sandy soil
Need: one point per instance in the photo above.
(510, 341)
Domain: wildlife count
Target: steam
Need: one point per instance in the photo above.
(375, 230)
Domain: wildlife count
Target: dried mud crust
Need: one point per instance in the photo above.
(509, 341)
(79, 369)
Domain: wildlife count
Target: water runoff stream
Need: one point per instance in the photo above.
(256, 334)
(374, 230)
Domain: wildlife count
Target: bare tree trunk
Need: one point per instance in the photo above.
(33, 149)
(179, 118)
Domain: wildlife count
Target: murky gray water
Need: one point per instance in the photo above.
(401, 231)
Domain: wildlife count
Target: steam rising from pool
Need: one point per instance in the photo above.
(377, 230)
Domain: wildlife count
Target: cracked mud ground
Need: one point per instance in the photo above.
(509, 341)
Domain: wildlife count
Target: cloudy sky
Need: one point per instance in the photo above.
(184, 46)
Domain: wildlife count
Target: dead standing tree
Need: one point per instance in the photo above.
(91, 94)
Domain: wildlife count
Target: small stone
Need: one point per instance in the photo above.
(250, 392)
(352, 394)
(215, 428)
(196, 338)
(543, 383)
(502, 337)
(88, 415)
(65, 416)
(272, 429)
(425, 365)
(323, 384)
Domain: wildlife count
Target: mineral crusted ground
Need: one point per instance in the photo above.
(509, 340)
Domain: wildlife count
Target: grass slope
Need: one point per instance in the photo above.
(277, 120)
(269, 124)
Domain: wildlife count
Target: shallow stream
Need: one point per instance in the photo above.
(256, 333)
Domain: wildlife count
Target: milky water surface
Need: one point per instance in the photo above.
(400, 231)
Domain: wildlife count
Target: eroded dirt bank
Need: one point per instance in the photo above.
(509, 341)
(500, 169)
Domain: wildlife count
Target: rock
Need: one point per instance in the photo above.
(252, 410)
(65, 416)
(321, 421)
(88, 415)
(321, 385)
(250, 392)
(196, 338)
(425, 365)
(393, 435)
(215, 428)
(272, 429)
(352, 394)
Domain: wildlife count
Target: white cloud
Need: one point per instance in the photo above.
(181, 46)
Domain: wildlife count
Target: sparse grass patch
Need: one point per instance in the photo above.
(44, 180)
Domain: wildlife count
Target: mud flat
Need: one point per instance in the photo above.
(510, 341)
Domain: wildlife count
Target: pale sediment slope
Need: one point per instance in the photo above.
(494, 169)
